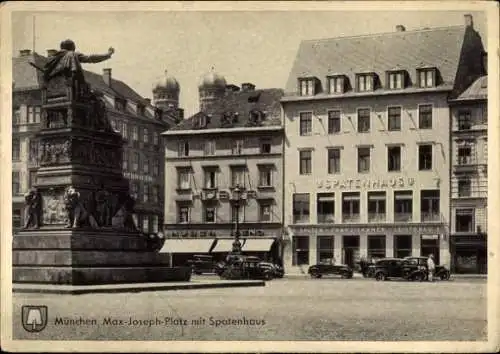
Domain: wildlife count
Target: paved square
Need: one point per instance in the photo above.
(285, 309)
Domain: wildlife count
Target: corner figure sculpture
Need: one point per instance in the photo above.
(32, 209)
(77, 215)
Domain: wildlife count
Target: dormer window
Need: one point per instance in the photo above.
(427, 77)
(202, 121)
(396, 80)
(365, 82)
(307, 86)
(120, 104)
(336, 84)
(141, 109)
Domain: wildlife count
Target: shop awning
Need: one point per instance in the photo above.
(258, 245)
(224, 245)
(187, 246)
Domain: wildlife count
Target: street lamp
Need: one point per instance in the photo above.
(236, 198)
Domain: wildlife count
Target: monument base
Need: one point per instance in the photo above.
(89, 257)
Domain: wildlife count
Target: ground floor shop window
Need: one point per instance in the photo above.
(350, 250)
(402, 246)
(301, 250)
(470, 259)
(325, 249)
(429, 244)
(376, 247)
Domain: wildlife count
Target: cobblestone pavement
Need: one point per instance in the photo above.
(285, 309)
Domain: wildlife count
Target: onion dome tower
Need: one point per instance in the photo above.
(166, 93)
(212, 87)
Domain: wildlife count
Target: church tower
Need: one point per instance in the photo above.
(212, 87)
(166, 93)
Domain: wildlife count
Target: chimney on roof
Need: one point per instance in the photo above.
(400, 28)
(247, 86)
(469, 22)
(51, 52)
(106, 76)
(24, 52)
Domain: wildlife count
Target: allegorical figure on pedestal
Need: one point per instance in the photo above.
(76, 213)
(103, 207)
(32, 211)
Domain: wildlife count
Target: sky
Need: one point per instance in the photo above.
(243, 46)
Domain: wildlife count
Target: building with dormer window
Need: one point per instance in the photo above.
(236, 139)
(367, 159)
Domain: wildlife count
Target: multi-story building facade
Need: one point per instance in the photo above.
(469, 179)
(236, 140)
(367, 161)
(139, 122)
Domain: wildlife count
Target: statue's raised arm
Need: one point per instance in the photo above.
(67, 61)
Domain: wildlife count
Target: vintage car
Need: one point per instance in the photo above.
(238, 267)
(390, 268)
(330, 268)
(278, 271)
(202, 264)
(440, 272)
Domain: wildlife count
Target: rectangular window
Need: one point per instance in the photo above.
(464, 220)
(325, 207)
(265, 211)
(237, 148)
(145, 224)
(16, 149)
(135, 133)
(464, 187)
(145, 135)
(145, 195)
(305, 162)
(376, 206)
(238, 177)
(300, 250)
(306, 87)
(265, 146)
(364, 82)
(145, 166)
(155, 194)
(429, 205)
(363, 159)
(184, 179)
(425, 157)
(403, 206)
(209, 148)
(135, 189)
(376, 246)
(155, 223)
(31, 114)
(464, 155)
(125, 159)
(464, 120)
(333, 122)
(135, 161)
(156, 167)
(402, 246)
(427, 77)
(350, 207)
(265, 176)
(396, 80)
(363, 120)
(325, 246)
(38, 114)
(210, 178)
(305, 123)
(125, 130)
(33, 151)
(394, 119)
(156, 138)
(394, 158)
(300, 208)
(16, 115)
(183, 149)
(183, 213)
(209, 213)
(336, 84)
(425, 116)
(334, 161)
(16, 182)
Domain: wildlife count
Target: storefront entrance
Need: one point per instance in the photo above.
(430, 245)
(350, 250)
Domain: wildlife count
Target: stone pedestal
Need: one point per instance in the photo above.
(81, 230)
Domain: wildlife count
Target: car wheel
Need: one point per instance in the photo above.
(380, 276)
(268, 276)
(419, 277)
(445, 275)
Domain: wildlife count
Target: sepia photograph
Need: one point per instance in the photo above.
(250, 177)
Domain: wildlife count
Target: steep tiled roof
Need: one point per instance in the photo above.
(407, 50)
(477, 91)
(242, 103)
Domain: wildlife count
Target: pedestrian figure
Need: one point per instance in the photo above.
(431, 266)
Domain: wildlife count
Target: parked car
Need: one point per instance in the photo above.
(330, 268)
(440, 272)
(243, 267)
(389, 268)
(277, 270)
(201, 264)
